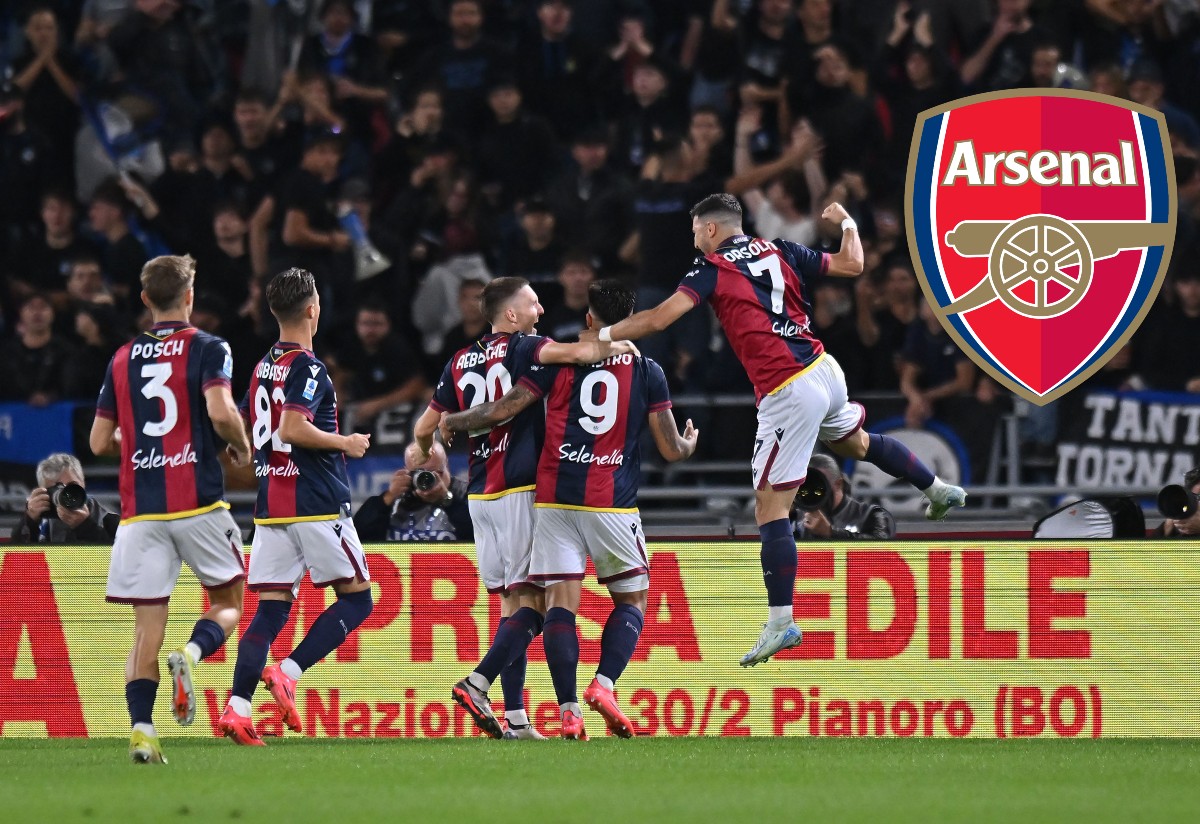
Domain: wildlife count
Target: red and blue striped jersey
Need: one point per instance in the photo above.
(154, 390)
(505, 458)
(760, 290)
(595, 418)
(294, 483)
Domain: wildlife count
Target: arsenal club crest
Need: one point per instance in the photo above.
(1040, 224)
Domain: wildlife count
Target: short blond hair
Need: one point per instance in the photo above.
(166, 279)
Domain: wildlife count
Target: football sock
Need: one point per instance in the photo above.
(241, 706)
(207, 637)
(619, 639)
(897, 460)
(604, 681)
(331, 628)
(139, 696)
(512, 679)
(146, 728)
(513, 637)
(516, 718)
(269, 620)
(778, 557)
(562, 653)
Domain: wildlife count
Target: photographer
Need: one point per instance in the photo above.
(1183, 524)
(422, 503)
(840, 518)
(60, 511)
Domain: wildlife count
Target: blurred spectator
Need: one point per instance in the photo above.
(352, 61)
(1107, 78)
(886, 308)
(121, 254)
(403, 29)
(1001, 56)
(557, 71)
(101, 331)
(845, 120)
(566, 315)
(932, 369)
(463, 67)
(48, 73)
(265, 143)
(213, 314)
(450, 225)
(355, 196)
(190, 189)
(96, 20)
(418, 131)
(591, 200)
(712, 156)
(158, 49)
(650, 114)
(833, 324)
(782, 196)
(1146, 87)
(40, 263)
(376, 370)
(1043, 64)
(26, 165)
(774, 55)
(33, 365)
(435, 306)
(536, 253)
(223, 262)
(305, 231)
(517, 153)
(473, 326)
(661, 246)
(1164, 342)
(710, 53)
(632, 49)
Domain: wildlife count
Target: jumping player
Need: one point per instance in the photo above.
(302, 516)
(761, 292)
(503, 464)
(586, 503)
(163, 395)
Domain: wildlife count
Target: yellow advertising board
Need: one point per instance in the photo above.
(1014, 639)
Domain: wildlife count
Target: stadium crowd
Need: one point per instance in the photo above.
(556, 140)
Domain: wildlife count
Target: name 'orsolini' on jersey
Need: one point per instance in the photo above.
(760, 290)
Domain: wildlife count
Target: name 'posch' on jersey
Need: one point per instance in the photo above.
(1043, 168)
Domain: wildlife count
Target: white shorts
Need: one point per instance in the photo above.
(146, 556)
(563, 540)
(790, 422)
(503, 539)
(280, 553)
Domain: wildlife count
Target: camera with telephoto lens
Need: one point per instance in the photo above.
(815, 493)
(1177, 502)
(68, 496)
(423, 481)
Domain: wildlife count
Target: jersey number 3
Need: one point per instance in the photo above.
(156, 387)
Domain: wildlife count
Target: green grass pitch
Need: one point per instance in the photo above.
(604, 780)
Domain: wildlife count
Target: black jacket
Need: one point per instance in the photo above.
(376, 521)
(100, 528)
(853, 520)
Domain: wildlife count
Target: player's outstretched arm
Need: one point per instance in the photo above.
(487, 415)
(584, 352)
(423, 431)
(228, 422)
(103, 439)
(671, 445)
(848, 262)
(299, 431)
(649, 321)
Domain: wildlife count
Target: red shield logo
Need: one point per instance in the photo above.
(1040, 223)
